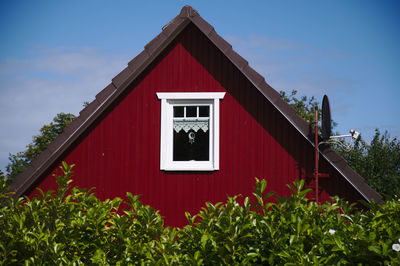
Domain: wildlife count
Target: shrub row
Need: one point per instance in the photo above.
(72, 226)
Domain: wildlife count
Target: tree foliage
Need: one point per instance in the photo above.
(304, 106)
(20, 161)
(78, 228)
(378, 161)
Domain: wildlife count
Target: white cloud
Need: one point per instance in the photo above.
(288, 65)
(313, 71)
(265, 43)
(33, 90)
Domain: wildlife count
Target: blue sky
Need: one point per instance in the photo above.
(54, 55)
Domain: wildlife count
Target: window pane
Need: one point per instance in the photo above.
(191, 111)
(204, 111)
(191, 145)
(178, 111)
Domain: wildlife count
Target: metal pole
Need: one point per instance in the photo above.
(316, 155)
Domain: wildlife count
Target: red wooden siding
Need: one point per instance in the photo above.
(120, 152)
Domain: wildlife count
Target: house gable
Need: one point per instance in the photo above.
(115, 141)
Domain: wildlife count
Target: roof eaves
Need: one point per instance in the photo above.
(357, 181)
(24, 180)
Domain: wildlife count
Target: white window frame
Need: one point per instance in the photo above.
(168, 101)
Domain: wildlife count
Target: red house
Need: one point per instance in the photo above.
(189, 121)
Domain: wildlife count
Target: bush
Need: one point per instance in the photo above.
(72, 226)
(76, 228)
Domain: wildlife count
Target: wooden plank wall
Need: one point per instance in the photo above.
(120, 152)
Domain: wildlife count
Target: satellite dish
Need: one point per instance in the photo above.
(326, 126)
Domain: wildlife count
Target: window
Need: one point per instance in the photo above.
(189, 131)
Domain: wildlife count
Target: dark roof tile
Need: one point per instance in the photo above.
(203, 25)
(91, 108)
(173, 25)
(220, 42)
(73, 126)
(271, 94)
(253, 75)
(152, 46)
(41, 159)
(105, 93)
(239, 61)
(56, 144)
(123, 76)
(274, 97)
(138, 61)
(18, 184)
(301, 124)
(187, 11)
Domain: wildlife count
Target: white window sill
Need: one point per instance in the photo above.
(190, 166)
(192, 169)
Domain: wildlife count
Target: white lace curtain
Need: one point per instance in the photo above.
(190, 125)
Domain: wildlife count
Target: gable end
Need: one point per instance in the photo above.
(136, 66)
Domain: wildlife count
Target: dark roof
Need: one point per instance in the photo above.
(103, 99)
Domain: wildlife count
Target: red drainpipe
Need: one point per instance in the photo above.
(316, 155)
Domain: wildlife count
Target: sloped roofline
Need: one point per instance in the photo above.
(119, 83)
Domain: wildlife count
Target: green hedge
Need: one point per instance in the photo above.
(74, 227)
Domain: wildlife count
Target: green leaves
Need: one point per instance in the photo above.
(72, 226)
(304, 106)
(378, 162)
(20, 161)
